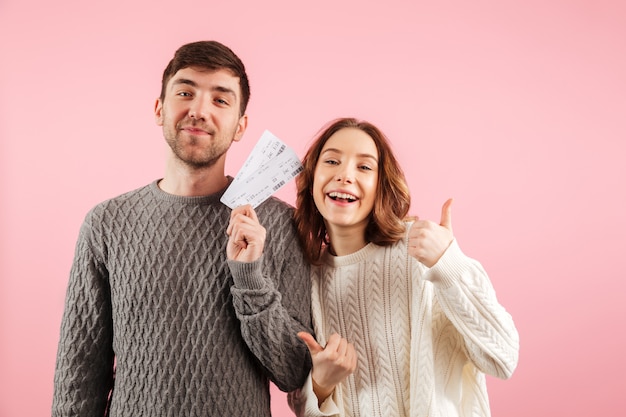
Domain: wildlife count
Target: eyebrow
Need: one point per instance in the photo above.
(361, 155)
(194, 84)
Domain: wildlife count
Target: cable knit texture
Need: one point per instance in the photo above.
(189, 333)
(424, 337)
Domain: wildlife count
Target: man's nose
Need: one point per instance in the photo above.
(199, 109)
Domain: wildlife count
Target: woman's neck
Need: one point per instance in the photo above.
(346, 240)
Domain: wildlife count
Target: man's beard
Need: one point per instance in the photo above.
(198, 158)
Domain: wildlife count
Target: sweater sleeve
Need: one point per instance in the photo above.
(303, 402)
(84, 368)
(272, 300)
(468, 299)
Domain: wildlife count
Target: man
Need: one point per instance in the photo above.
(158, 320)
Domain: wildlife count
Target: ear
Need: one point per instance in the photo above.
(158, 112)
(242, 124)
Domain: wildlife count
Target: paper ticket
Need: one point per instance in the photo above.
(269, 167)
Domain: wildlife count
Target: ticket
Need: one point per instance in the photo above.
(269, 167)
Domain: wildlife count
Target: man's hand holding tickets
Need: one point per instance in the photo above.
(246, 236)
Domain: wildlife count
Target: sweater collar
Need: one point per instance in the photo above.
(205, 199)
(354, 258)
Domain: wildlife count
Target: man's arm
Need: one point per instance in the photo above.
(84, 369)
(272, 294)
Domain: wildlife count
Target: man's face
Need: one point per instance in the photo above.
(200, 115)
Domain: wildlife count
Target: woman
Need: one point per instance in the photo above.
(406, 324)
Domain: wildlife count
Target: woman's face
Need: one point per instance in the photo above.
(346, 180)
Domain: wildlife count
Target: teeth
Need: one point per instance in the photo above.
(342, 196)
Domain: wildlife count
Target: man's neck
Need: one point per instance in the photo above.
(188, 182)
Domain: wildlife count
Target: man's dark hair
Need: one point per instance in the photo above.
(209, 55)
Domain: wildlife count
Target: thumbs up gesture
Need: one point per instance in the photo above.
(331, 364)
(429, 240)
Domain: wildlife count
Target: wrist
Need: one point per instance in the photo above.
(321, 392)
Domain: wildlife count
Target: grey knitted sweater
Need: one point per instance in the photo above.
(152, 295)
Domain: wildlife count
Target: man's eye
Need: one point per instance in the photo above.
(221, 101)
(184, 94)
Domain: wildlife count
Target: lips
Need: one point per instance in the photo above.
(195, 131)
(339, 196)
(194, 127)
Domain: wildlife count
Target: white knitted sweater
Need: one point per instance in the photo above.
(424, 337)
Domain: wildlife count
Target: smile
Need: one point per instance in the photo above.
(342, 197)
(195, 131)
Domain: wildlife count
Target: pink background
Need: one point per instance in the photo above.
(517, 109)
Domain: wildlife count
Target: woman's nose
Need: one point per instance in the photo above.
(344, 176)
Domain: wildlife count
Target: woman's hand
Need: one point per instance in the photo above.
(429, 240)
(331, 364)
